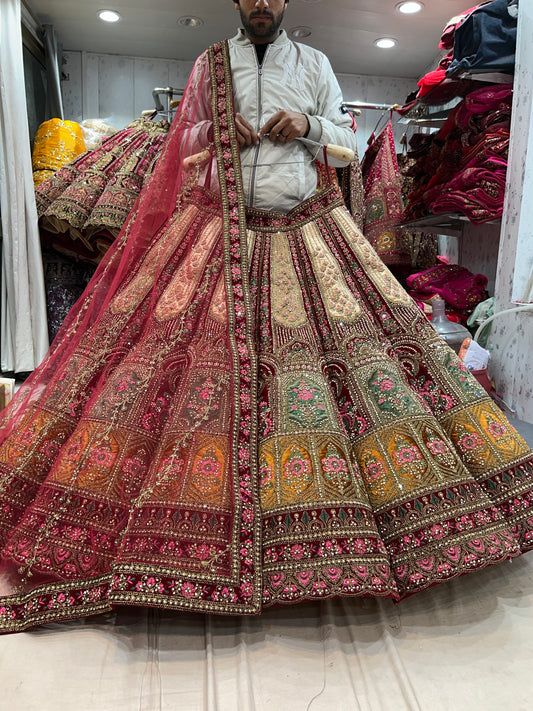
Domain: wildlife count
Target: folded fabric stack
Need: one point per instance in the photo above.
(465, 165)
(457, 286)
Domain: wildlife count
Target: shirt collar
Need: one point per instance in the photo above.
(242, 40)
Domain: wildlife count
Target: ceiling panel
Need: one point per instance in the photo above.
(344, 29)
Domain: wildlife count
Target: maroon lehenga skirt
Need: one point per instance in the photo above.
(247, 409)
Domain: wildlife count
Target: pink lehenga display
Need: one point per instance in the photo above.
(246, 409)
(383, 201)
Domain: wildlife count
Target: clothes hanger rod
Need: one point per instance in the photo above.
(168, 90)
(369, 105)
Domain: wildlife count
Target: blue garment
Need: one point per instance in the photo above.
(486, 40)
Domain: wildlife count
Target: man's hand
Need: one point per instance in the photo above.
(245, 133)
(285, 126)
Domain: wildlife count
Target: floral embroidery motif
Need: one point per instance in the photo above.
(265, 418)
(391, 396)
(203, 401)
(335, 469)
(297, 473)
(306, 404)
(459, 373)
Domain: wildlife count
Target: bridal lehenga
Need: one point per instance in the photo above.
(246, 409)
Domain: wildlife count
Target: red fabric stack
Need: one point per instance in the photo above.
(464, 167)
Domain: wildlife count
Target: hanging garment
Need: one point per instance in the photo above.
(383, 200)
(456, 285)
(245, 409)
(448, 33)
(65, 280)
(423, 246)
(83, 206)
(23, 336)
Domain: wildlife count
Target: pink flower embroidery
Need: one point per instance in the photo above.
(387, 384)
(496, 429)
(203, 552)
(102, 457)
(188, 590)
(297, 552)
(406, 455)
(172, 465)
(437, 446)
(297, 467)
(135, 467)
(374, 469)
(26, 437)
(334, 464)
(247, 589)
(266, 475)
(206, 390)
(470, 441)
(208, 466)
(50, 449)
(437, 531)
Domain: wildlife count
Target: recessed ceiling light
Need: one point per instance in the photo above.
(300, 32)
(108, 15)
(190, 21)
(386, 42)
(409, 8)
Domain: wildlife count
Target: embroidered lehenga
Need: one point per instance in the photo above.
(244, 409)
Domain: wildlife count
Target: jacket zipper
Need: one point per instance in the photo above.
(259, 115)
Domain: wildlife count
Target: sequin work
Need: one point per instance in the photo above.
(255, 413)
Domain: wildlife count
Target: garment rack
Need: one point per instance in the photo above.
(169, 92)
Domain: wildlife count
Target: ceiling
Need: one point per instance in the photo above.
(344, 29)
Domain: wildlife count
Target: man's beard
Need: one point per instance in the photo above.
(267, 30)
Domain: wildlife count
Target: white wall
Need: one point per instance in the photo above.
(118, 89)
(512, 334)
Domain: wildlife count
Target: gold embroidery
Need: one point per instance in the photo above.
(339, 300)
(132, 295)
(183, 285)
(372, 264)
(287, 302)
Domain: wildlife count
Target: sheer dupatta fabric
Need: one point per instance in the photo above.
(135, 432)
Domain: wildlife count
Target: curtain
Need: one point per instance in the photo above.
(24, 336)
(54, 102)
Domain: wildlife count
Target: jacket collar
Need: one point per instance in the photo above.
(242, 40)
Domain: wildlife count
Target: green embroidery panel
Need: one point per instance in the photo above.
(390, 395)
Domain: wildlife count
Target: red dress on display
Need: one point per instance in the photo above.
(246, 409)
